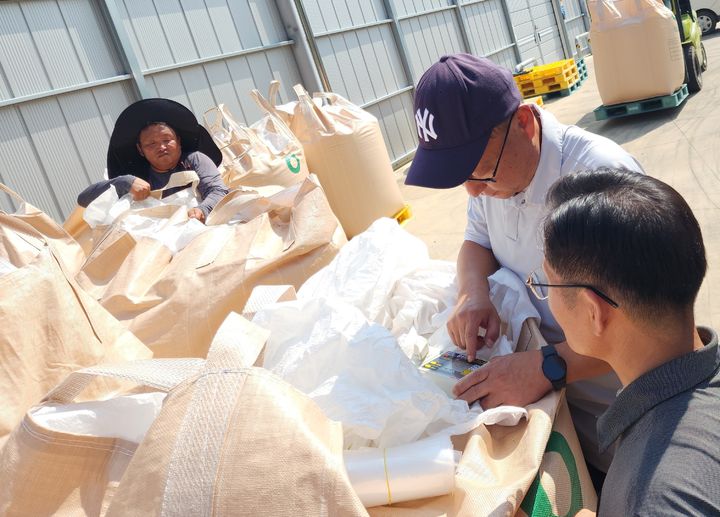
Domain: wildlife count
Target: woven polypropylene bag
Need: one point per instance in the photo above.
(48, 471)
(50, 327)
(266, 153)
(238, 441)
(174, 303)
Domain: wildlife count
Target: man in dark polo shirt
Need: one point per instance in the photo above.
(624, 260)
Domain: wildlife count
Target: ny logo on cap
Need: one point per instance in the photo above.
(425, 125)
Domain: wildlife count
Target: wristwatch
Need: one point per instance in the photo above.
(554, 367)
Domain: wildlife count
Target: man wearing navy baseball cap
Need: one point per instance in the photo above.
(474, 131)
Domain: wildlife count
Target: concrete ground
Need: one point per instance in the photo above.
(679, 146)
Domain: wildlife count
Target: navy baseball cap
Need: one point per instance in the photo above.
(458, 102)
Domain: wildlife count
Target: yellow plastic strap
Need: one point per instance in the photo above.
(387, 476)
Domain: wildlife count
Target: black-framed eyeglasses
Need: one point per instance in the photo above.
(491, 179)
(540, 289)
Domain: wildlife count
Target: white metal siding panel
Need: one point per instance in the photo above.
(223, 25)
(408, 7)
(282, 67)
(111, 101)
(388, 58)
(49, 132)
(22, 167)
(245, 25)
(317, 18)
(490, 33)
(88, 132)
(575, 20)
(429, 37)
(92, 44)
(52, 147)
(176, 32)
(201, 29)
(149, 34)
(21, 62)
(395, 116)
(53, 43)
(267, 20)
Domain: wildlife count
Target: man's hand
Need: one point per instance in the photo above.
(140, 189)
(196, 213)
(469, 315)
(513, 380)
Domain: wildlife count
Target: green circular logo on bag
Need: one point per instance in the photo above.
(293, 163)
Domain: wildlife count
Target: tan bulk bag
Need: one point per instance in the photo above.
(64, 245)
(266, 153)
(175, 303)
(49, 326)
(533, 468)
(50, 467)
(79, 230)
(234, 441)
(637, 51)
(345, 148)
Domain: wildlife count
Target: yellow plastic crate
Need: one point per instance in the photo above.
(552, 69)
(557, 84)
(535, 100)
(567, 77)
(547, 78)
(403, 215)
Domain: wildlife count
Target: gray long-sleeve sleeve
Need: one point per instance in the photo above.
(122, 184)
(211, 187)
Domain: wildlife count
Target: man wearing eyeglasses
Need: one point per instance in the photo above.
(624, 261)
(474, 131)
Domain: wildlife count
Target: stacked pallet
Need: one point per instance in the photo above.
(558, 79)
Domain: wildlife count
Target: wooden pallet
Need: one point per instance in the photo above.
(642, 106)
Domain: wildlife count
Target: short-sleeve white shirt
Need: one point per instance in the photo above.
(512, 227)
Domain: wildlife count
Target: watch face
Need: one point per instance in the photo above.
(554, 368)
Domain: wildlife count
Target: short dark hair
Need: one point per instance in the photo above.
(628, 234)
(155, 123)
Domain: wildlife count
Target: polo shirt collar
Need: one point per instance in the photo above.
(656, 386)
(550, 163)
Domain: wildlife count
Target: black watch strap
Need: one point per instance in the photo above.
(554, 367)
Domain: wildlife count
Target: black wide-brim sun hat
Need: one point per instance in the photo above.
(123, 157)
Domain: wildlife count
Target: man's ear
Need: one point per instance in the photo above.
(598, 312)
(526, 119)
(139, 150)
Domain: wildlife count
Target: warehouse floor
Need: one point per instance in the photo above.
(680, 147)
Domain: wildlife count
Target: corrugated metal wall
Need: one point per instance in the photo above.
(69, 67)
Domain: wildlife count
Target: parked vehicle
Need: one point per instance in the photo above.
(708, 14)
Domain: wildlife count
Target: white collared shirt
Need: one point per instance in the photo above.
(511, 228)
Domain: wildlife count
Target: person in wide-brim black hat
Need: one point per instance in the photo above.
(152, 139)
